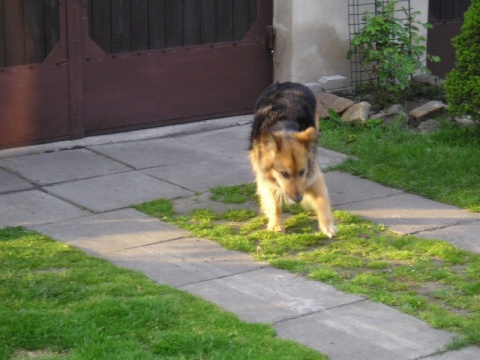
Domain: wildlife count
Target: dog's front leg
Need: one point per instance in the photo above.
(317, 197)
(271, 205)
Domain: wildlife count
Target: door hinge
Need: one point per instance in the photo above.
(270, 38)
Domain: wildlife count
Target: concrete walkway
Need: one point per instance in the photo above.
(79, 192)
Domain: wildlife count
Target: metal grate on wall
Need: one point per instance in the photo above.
(356, 11)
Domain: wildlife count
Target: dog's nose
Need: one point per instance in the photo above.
(298, 198)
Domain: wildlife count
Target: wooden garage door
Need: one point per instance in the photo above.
(73, 68)
(446, 16)
(161, 62)
(33, 72)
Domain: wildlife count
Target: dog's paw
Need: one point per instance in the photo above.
(276, 228)
(329, 229)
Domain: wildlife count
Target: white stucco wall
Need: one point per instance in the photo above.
(312, 38)
(422, 6)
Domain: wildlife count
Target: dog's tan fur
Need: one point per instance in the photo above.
(286, 169)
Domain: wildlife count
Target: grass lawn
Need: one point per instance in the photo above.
(430, 279)
(59, 303)
(444, 165)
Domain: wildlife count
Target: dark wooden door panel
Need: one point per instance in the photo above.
(440, 44)
(186, 80)
(29, 30)
(447, 10)
(70, 68)
(167, 88)
(121, 26)
(446, 16)
(33, 105)
(34, 102)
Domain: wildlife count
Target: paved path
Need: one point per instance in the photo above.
(80, 191)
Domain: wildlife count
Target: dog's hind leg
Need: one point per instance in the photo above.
(271, 205)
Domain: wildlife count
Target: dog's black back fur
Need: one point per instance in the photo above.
(283, 106)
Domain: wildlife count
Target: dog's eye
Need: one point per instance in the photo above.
(285, 174)
(301, 173)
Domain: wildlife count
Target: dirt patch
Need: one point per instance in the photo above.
(22, 354)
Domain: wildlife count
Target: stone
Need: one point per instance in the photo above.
(315, 86)
(333, 82)
(428, 110)
(393, 114)
(392, 118)
(427, 79)
(358, 112)
(327, 101)
(343, 92)
(395, 108)
(464, 121)
(428, 126)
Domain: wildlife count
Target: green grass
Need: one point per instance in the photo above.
(233, 195)
(430, 279)
(444, 166)
(59, 303)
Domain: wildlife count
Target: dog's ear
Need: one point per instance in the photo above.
(308, 137)
(270, 141)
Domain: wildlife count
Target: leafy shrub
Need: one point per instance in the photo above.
(462, 85)
(391, 48)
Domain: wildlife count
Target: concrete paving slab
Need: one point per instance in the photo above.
(151, 153)
(110, 232)
(205, 174)
(10, 182)
(234, 141)
(329, 158)
(365, 330)
(466, 235)
(230, 142)
(136, 135)
(470, 353)
(60, 166)
(342, 325)
(33, 207)
(407, 214)
(344, 188)
(184, 261)
(115, 191)
(270, 295)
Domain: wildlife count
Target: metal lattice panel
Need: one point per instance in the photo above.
(356, 10)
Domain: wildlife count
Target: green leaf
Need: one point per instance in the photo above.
(393, 44)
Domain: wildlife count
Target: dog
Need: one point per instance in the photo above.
(283, 155)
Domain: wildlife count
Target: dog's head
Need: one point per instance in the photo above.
(291, 159)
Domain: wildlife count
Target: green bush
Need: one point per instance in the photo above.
(390, 48)
(462, 84)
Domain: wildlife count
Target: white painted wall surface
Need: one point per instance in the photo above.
(313, 40)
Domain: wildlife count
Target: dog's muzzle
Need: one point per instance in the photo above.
(298, 198)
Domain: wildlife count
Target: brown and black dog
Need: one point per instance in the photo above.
(283, 154)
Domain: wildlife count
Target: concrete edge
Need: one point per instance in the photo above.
(145, 134)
